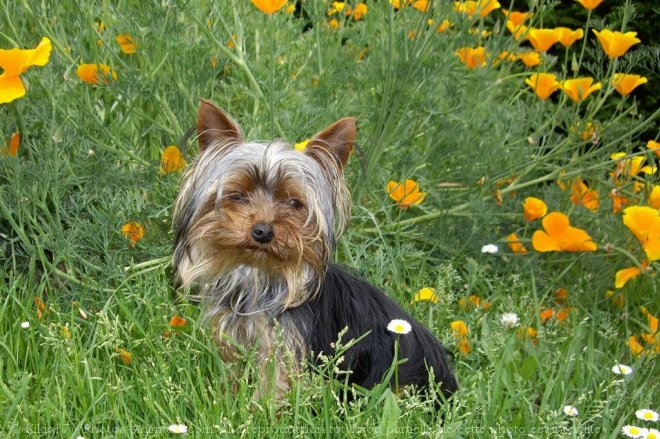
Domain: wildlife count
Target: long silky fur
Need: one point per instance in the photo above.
(309, 299)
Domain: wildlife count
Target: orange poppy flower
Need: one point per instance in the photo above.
(543, 84)
(422, 5)
(530, 58)
(269, 6)
(125, 356)
(560, 295)
(569, 36)
(625, 84)
(515, 245)
(534, 208)
(644, 223)
(654, 146)
(405, 194)
(579, 89)
(546, 314)
(126, 43)
(444, 26)
(471, 302)
(464, 346)
(653, 324)
(171, 160)
(654, 197)
(589, 4)
(14, 62)
(528, 333)
(12, 147)
(618, 202)
(624, 275)
(133, 231)
(459, 328)
(583, 196)
(543, 39)
(177, 321)
(359, 12)
(41, 307)
(472, 57)
(95, 73)
(559, 235)
(616, 44)
(515, 17)
(635, 347)
(518, 30)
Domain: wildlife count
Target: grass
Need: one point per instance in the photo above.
(89, 162)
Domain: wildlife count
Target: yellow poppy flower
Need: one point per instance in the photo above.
(515, 17)
(405, 194)
(14, 62)
(459, 328)
(426, 295)
(444, 26)
(12, 147)
(589, 4)
(654, 197)
(422, 5)
(518, 30)
(269, 6)
(543, 84)
(559, 235)
(629, 168)
(654, 146)
(625, 84)
(530, 58)
(472, 57)
(95, 73)
(515, 245)
(644, 223)
(616, 44)
(171, 160)
(569, 36)
(579, 89)
(397, 4)
(126, 43)
(543, 39)
(534, 208)
(333, 23)
(481, 8)
(133, 231)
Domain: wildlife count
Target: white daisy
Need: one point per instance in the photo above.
(489, 248)
(646, 415)
(622, 369)
(652, 434)
(510, 319)
(178, 428)
(571, 411)
(25, 325)
(635, 432)
(399, 326)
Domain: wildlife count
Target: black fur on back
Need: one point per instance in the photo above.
(348, 301)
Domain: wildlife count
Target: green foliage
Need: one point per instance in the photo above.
(89, 162)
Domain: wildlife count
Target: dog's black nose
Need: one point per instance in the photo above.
(262, 232)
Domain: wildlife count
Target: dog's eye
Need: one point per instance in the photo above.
(238, 197)
(294, 203)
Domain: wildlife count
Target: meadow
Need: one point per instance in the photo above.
(505, 192)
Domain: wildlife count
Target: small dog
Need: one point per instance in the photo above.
(255, 227)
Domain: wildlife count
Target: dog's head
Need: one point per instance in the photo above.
(260, 205)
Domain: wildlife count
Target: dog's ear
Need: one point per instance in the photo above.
(336, 141)
(215, 126)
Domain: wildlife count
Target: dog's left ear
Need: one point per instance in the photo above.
(337, 141)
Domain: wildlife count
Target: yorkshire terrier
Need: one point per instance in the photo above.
(255, 228)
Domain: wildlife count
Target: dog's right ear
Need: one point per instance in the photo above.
(214, 126)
